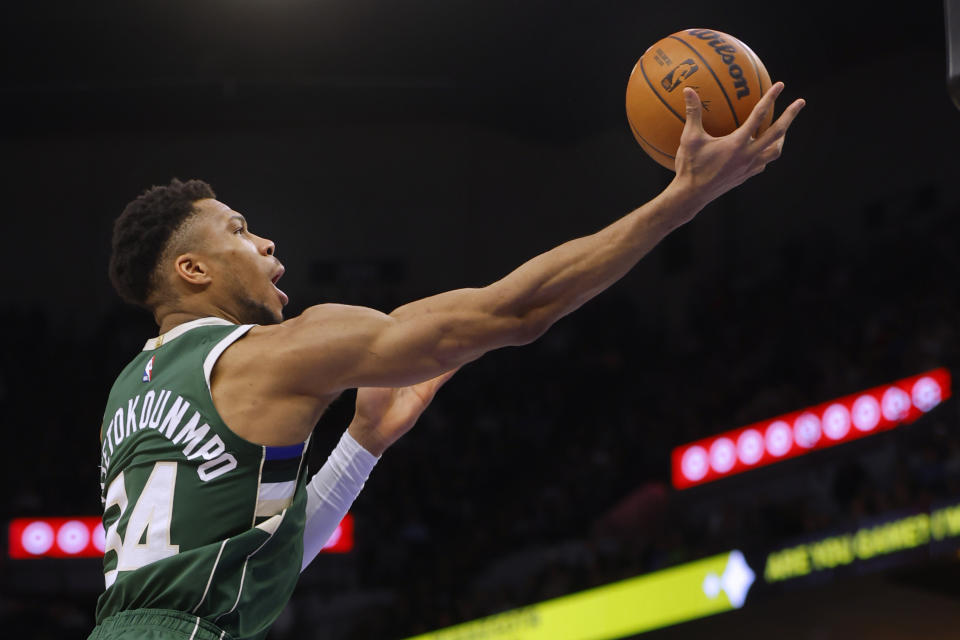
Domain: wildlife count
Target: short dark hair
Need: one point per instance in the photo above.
(141, 234)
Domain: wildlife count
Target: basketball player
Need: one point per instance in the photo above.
(210, 513)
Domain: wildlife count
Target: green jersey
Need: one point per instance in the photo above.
(197, 519)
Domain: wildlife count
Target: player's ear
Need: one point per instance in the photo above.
(192, 269)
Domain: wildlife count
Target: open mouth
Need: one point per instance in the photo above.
(276, 277)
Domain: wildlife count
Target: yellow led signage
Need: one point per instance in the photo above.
(685, 592)
(865, 543)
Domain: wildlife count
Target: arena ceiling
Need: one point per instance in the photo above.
(551, 69)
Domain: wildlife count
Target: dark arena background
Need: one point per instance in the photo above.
(398, 149)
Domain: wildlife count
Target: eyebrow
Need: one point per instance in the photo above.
(239, 217)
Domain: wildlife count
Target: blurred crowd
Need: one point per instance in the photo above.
(545, 470)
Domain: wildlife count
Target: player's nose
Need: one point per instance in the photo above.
(266, 246)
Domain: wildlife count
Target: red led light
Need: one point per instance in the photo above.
(750, 446)
(83, 537)
(825, 425)
(342, 539)
(55, 537)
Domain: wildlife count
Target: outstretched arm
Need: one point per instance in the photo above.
(333, 347)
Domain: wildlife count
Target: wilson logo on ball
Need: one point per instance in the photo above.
(727, 53)
(678, 74)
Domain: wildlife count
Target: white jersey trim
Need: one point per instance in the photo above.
(195, 627)
(274, 497)
(218, 350)
(210, 579)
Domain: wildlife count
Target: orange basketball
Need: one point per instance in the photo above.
(726, 74)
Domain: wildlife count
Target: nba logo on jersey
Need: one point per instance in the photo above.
(148, 370)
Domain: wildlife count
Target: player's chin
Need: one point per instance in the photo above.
(267, 310)
(282, 301)
(276, 310)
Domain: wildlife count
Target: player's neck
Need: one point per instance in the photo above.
(167, 320)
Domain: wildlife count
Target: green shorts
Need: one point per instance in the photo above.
(156, 624)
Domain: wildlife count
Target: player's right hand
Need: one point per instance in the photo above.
(708, 166)
(384, 415)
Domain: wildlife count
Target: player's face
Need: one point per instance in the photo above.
(243, 268)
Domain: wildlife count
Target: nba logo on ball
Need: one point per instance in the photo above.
(148, 370)
(678, 74)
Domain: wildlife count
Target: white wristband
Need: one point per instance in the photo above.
(331, 492)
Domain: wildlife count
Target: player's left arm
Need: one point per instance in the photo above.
(381, 418)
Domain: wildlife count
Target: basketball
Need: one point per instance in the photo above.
(727, 75)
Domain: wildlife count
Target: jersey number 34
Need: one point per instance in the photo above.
(147, 535)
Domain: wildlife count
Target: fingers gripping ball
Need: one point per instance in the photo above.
(729, 78)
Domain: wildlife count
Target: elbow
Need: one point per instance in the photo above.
(448, 356)
(457, 347)
(530, 327)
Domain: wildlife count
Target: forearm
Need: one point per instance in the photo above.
(544, 289)
(331, 492)
(559, 281)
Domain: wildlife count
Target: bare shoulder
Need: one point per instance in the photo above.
(307, 354)
(333, 317)
(314, 328)
(264, 385)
